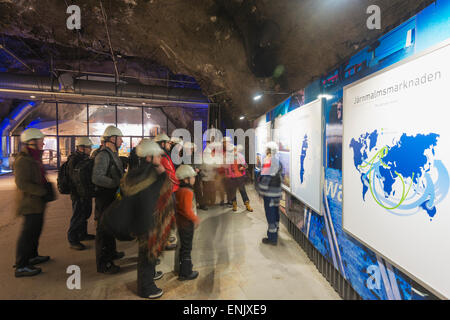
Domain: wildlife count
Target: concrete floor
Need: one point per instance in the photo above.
(228, 253)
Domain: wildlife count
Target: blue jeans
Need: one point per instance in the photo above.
(271, 206)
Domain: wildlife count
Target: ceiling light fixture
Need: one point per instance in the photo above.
(257, 97)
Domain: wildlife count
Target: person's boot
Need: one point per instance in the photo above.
(247, 205)
(170, 246)
(186, 272)
(109, 268)
(27, 271)
(77, 246)
(234, 206)
(158, 275)
(155, 293)
(38, 260)
(267, 241)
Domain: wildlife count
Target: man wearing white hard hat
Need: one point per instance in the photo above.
(146, 198)
(81, 204)
(106, 175)
(33, 192)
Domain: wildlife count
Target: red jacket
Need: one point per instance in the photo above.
(170, 169)
(186, 206)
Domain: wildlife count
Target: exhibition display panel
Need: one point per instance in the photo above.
(395, 165)
(306, 154)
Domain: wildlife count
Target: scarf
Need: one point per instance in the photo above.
(37, 156)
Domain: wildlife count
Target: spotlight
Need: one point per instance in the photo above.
(242, 118)
(32, 97)
(257, 97)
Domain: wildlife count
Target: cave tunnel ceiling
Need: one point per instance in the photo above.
(232, 48)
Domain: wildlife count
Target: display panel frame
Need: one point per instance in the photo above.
(403, 62)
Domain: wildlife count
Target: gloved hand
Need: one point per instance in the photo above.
(50, 195)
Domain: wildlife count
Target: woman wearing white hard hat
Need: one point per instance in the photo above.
(269, 187)
(146, 211)
(33, 192)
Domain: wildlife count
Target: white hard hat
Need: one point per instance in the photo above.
(226, 139)
(83, 141)
(185, 171)
(273, 146)
(30, 134)
(148, 147)
(162, 137)
(176, 140)
(111, 131)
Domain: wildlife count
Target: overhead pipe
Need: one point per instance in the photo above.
(101, 88)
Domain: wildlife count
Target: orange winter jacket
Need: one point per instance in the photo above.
(186, 206)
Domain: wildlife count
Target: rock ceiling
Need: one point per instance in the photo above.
(233, 48)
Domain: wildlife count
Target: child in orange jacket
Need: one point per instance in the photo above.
(187, 219)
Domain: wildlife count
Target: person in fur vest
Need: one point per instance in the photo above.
(187, 219)
(146, 212)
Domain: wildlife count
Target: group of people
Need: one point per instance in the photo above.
(145, 198)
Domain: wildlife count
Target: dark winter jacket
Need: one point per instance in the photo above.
(31, 188)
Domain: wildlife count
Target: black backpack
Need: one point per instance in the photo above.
(82, 179)
(64, 185)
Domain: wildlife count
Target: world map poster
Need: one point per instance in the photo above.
(395, 166)
(306, 151)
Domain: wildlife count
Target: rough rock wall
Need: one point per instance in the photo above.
(234, 48)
